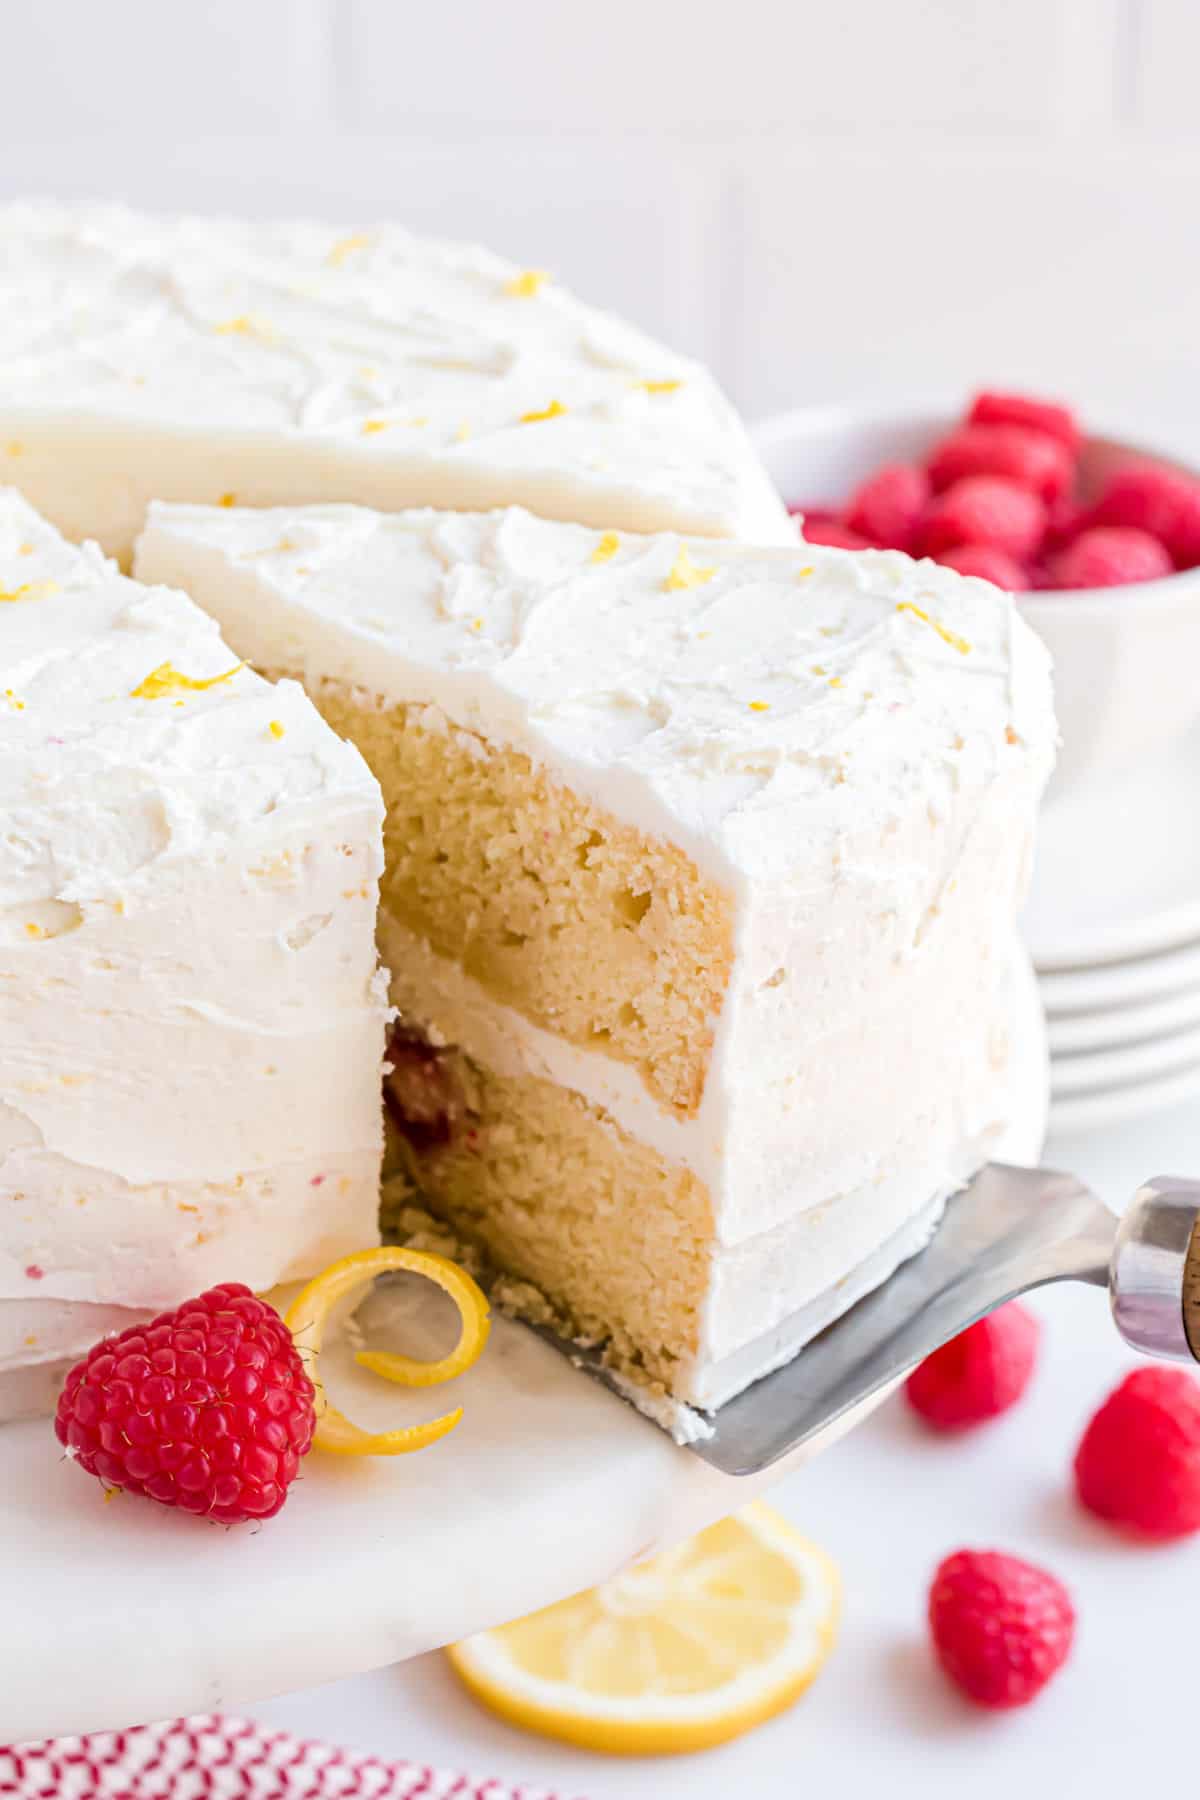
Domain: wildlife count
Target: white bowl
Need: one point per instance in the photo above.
(1125, 658)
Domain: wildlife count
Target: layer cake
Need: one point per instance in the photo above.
(703, 863)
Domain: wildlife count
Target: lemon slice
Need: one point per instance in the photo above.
(681, 1652)
(308, 1315)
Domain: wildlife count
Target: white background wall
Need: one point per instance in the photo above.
(825, 198)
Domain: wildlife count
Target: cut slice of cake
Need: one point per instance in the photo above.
(220, 359)
(703, 864)
(191, 1018)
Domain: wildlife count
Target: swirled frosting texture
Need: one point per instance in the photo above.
(190, 1019)
(294, 362)
(766, 708)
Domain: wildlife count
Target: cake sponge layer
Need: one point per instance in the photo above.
(582, 922)
(618, 1239)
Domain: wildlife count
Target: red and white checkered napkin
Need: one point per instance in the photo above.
(210, 1758)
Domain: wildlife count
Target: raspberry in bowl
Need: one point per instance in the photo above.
(1098, 536)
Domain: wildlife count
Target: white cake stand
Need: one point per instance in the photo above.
(125, 1612)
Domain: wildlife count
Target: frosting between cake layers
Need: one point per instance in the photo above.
(190, 1019)
(184, 358)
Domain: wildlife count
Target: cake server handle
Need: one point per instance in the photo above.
(1154, 1275)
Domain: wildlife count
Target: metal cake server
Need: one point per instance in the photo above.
(1009, 1231)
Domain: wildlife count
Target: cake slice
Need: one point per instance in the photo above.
(220, 359)
(703, 864)
(191, 1020)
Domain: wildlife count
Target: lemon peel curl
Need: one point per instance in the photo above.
(308, 1315)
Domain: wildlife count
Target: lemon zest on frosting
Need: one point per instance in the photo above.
(373, 425)
(276, 729)
(606, 549)
(167, 679)
(685, 573)
(760, 706)
(227, 500)
(29, 590)
(525, 285)
(658, 387)
(358, 240)
(950, 637)
(245, 325)
(555, 410)
(308, 1316)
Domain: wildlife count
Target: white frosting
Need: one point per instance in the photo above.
(776, 719)
(186, 358)
(862, 778)
(191, 1023)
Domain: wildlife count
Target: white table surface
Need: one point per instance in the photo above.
(889, 1501)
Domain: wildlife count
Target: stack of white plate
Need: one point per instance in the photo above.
(1113, 923)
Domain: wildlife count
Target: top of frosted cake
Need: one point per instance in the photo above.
(401, 352)
(760, 706)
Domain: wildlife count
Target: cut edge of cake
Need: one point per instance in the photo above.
(849, 750)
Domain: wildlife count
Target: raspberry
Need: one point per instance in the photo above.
(832, 533)
(978, 1374)
(1067, 519)
(990, 564)
(887, 506)
(1001, 1627)
(1042, 464)
(422, 1090)
(1165, 502)
(1138, 1462)
(208, 1408)
(1110, 556)
(984, 509)
(1016, 409)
